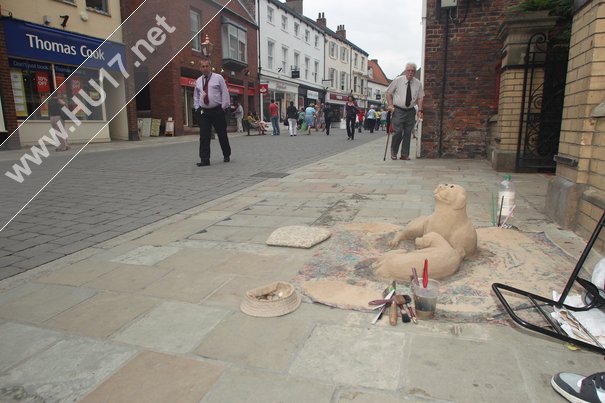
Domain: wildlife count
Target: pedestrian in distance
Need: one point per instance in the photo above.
(55, 115)
(274, 113)
(211, 100)
(383, 119)
(327, 112)
(360, 120)
(351, 110)
(238, 114)
(404, 94)
(310, 116)
(292, 115)
(371, 119)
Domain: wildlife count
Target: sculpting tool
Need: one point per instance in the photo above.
(389, 295)
(393, 308)
(407, 300)
(425, 274)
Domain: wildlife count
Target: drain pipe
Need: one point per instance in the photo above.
(422, 63)
(443, 83)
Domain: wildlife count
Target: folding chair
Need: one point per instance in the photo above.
(543, 306)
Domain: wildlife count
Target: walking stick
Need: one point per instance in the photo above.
(389, 128)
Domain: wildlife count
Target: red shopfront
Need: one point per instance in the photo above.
(236, 92)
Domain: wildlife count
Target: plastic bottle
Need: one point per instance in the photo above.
(506, 198)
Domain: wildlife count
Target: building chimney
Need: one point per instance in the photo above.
(296, 5)
(341, 31)
(321, 20)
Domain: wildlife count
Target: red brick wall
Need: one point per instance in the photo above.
(165, 88)
(459, 101)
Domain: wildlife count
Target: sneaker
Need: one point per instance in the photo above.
(577, 388)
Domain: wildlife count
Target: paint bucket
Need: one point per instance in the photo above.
(425, 299)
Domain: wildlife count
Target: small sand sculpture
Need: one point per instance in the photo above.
(445, 238)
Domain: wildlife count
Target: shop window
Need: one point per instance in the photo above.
(32, 84)
(98, 5)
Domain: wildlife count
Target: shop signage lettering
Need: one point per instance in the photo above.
(32, 41)
(36, 43)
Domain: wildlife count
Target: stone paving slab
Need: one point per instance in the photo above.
(90, 318)
(153, 377)
(19, 342)
(37, 302)
(69, 369)
(172, 327)
(242, 386)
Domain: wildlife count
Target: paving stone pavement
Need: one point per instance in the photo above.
(152, 314)
(111, 189)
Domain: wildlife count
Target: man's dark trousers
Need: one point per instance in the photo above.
(214, 117)
(403, 121)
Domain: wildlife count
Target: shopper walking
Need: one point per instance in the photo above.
(292, 115)
(274, 113)
(211, 100)
(351, 110)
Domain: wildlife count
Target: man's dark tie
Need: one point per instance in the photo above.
(408, 95)
(206, 100)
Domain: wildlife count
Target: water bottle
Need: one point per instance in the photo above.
(506, 198)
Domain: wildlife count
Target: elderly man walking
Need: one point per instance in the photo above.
(403, 95)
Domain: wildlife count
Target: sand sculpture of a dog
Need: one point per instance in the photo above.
(445, 238)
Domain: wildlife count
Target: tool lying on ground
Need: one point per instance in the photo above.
(407, 299)
(394, 300)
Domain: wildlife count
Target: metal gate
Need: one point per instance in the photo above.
(541, 105)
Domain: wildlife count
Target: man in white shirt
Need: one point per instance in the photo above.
(403, 95)
(211, 100)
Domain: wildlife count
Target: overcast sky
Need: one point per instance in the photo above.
(389, 30)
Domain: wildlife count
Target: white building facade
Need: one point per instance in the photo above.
(291, 54)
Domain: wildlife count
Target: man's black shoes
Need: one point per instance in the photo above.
(226, 159)
(203, 164)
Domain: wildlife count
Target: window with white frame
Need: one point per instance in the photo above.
(333, 48)
(296, 29)
(355, 60)
(296, 60)
(369, 92)
(235, 43)
(361, 82)
(284, 59)
(194, 29)
(344, 54)
(315, 70)
(355, 89)
(270, 14)
(371, 73)
(284, 22)
(332, 76)
(307, 35)
(363, 63)
(343, 81)
(317, 41)
(270, 56)
(98, 5)
(307, 62)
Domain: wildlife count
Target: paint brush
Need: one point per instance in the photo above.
(415, 276)
(500, 213)
(407, 299)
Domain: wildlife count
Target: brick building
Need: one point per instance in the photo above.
(461, 76)
(232, 33)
